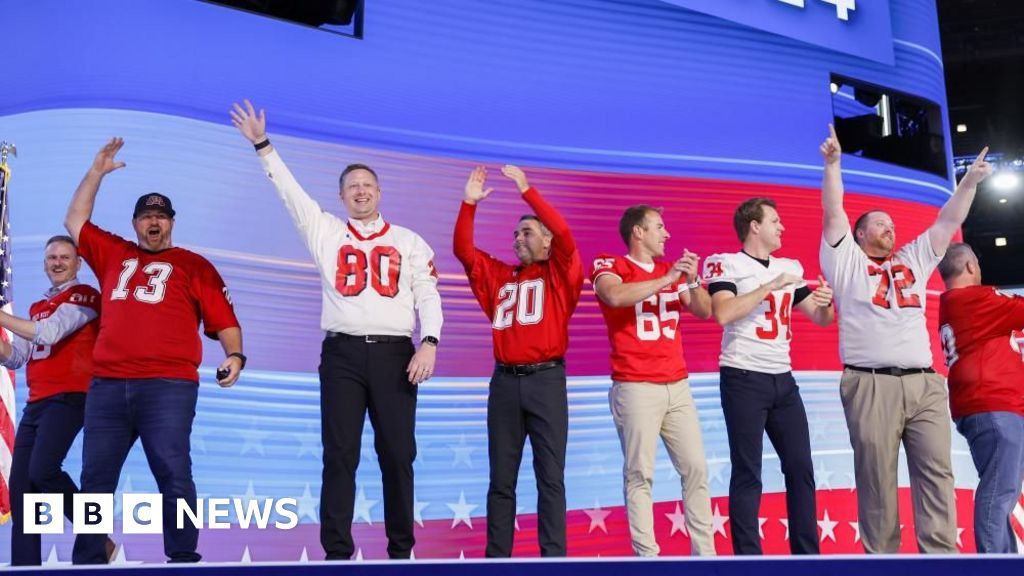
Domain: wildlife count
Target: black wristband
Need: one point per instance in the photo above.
(430, 340)
(240, 356)
(261, 145)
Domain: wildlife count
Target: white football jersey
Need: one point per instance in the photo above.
(881, 304)
(760, 340)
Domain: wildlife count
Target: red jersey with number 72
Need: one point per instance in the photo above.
(153, 304)
(645, 337)
(881, 302)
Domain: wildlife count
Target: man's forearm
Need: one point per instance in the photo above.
(82, 203)
(230, 340)
(629, 293)
(20, 326)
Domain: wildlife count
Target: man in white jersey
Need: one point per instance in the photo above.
(375, 278)
(753, 296)
(889, 390)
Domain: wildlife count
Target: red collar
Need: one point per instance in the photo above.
(383, 231)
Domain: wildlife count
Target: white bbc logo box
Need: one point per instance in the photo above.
(93, 514)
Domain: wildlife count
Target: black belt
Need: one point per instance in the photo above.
(371, 338)
(891, 370)
(527, 369)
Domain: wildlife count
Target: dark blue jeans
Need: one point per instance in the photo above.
(996, 440)
(159, 412)
(47, 429)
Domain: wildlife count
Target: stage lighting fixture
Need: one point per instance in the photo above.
(1000, 241)
(961, 128)
(1006, 181)
(1002, 200)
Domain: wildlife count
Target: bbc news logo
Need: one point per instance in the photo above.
(143, 513)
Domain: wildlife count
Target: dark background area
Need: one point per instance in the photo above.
(983, 51)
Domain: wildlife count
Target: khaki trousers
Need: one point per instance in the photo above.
(642, 412)
(881, 411)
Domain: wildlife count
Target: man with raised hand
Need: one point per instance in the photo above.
(753, 295)
(641, 297)
(375, 278)
(890, 392)
(529, 305)
(145, 364)
(982, 333)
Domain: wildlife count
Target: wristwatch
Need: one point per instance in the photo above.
(240, 356)
(430, 340)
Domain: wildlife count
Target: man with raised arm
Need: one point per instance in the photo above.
(145, 363)
(890, 392)
(753, 295)
(641, 298)
(982, 333)
(375, 277)
(55, 344)
(529, 305)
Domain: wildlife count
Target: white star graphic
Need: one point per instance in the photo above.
(678, 520)
(252, 440)
(463, 453)
(249, 496)
(518, 510)
(461, 511)
(760, 526)
(597, 517)
(819, 428)
(596, 459)
(246, 557)
(823, 476)
(856, 531)
(359, 555)
(785, 522)
(852, 480)
(362, 507)
(959, 540)
(417, 510)
(53, 560)
(718, 522)
(119, 558)
(305, 555)
(828, 527)
(309, 443)
(307, 505)
(715, 469)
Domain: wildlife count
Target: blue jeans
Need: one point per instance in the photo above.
(996, 440)
(45, 433)
(158, 411)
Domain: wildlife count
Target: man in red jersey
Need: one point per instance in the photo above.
(981, 332)
(641, 298)
(145, 378)
(56, 344)
(529, 306)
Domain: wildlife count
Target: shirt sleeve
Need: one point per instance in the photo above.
(920, 256)
(601, 266)
(216, 310)
(95, 246)
(837, 262)
(64, 321)
(563, 245)
(310, 220)
(21, 351)
(424, 289)
(1009, 311)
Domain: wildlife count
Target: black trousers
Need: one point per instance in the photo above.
(755, 403)
(47, 429)
(356, 376)
(519, 406)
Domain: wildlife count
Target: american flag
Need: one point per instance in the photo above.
(6, 376)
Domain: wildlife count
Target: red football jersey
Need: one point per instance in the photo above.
(645, 337)
(529, 306)
(981, 332)
(153, 303)
(67, 365)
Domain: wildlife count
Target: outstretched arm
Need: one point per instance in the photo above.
(252, 125)
(80, 210)
(463, 244)
(728, 307)
(954, 211)
(562, 241)
(836, 223)
(818, 306)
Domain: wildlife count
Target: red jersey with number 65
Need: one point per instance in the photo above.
(153, 304)
(65, 366)
(645, 337)
(982, 333)
(529, 306)
(881, 302)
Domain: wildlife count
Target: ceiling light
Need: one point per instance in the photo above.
(1002, 200)
(1000, 241)
(961, 128)
(1005, 181)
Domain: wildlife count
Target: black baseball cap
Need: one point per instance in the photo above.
(153, 201)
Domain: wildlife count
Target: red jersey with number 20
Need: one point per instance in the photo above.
(645, 337)
(982, 332)
(529, 306)
(153, 303)
(67, 365)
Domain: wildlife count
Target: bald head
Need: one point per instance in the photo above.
(959, 267)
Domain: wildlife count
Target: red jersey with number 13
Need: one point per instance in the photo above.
(645, 337)
(153, 303)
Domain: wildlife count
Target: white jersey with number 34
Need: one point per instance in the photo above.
(760, 340)
(881, 304)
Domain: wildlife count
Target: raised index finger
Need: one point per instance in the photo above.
(981, 156)
(832, 132)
